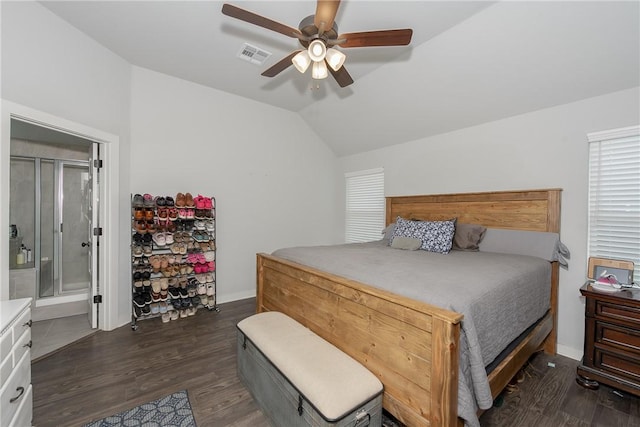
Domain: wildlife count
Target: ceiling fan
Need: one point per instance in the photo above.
(318, 34)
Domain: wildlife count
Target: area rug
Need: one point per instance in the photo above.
(173, 410)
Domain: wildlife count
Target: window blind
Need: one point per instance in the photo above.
(614, 195)
(365, 205)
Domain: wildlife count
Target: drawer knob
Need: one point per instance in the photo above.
(29, 344)
(29, 323)
(20, 391)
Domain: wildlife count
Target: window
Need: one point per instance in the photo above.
(365, 205)
(614, 195)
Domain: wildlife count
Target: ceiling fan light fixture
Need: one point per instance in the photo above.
(301, 61)
(319, 70)
(335, 58)
(317, 50)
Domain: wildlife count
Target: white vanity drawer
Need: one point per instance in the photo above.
(22, 324)
(24, 413)
(6, 342)
(14, 390)
(23, 345)
(6, 367)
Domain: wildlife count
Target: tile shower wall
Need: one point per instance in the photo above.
(22, 203)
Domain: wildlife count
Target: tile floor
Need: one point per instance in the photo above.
(50, 335)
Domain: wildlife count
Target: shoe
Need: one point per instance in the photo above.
(166, 317)
(159, 239)
(191, 311)
(138, 201)
(155, 308)
(163, 307)
(174, 293)
(189, 201)
(140, 227)
(175, 315)
(147, 251)
(206, 203)
(136, 250)
(177, 304)
(173, 214)
(137, 311)
(149, 214)
(180, 200)
(145, 310)
(168, 238)
(148, 201)
(138, 300)
(183, 313)
(210, 290)
(169, 201)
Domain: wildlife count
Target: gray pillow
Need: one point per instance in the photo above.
(468, 237)
(406, 243)
(388, 232)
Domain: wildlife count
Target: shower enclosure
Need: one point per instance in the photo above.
(50, 204)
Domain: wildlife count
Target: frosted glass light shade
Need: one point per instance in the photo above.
(301, 61)
(317, 50)
(335, 58)
(319, 70)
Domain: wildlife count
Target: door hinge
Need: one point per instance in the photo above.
(97, 231)
(97, 299)
(97, 163)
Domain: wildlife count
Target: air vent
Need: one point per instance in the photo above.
(253, 54)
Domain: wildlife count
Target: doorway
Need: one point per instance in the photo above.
(53, 213)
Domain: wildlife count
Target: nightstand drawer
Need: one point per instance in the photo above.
(618, 336)
(618, 364)
(617, 311)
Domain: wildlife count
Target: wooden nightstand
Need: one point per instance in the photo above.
(611, 340)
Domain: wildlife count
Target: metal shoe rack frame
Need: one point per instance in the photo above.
(139, 263)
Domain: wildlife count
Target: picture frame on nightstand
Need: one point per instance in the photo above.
(621, 269)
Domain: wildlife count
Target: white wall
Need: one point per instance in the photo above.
(52, 67)
(543, 149)
(275, 181)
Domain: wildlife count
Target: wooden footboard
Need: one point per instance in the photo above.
(411, 346)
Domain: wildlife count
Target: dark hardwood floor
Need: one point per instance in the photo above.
(109, 372)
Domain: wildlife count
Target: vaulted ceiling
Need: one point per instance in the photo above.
(468, 62)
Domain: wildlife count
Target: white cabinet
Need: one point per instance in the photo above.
(16, 400)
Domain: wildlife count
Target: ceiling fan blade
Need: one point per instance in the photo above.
(280, 66)
(342, 76)
(326, 11)
(261, 21)
(376, 38)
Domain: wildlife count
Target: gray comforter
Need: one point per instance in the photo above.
(500, 296)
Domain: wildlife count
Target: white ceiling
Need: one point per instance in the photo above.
(468, 62)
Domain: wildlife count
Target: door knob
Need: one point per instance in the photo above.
(85, 244)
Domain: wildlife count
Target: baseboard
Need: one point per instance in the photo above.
(569, 352)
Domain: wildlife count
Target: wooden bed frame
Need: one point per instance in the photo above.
(412, 346)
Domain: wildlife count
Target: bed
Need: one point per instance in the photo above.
(413, 346)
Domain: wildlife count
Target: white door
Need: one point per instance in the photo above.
(94, 234)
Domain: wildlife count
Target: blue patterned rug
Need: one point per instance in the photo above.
(169, 411)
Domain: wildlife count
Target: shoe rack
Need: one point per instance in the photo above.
(173, 255)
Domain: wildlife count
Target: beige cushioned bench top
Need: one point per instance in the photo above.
(331, 380)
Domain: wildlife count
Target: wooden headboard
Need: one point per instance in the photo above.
(533, 210)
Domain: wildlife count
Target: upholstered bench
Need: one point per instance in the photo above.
(299, 379)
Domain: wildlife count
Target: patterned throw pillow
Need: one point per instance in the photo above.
(436, 236)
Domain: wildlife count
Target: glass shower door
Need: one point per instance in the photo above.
(75, 220)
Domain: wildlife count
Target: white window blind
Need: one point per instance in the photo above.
(365, 205)
(614, 195)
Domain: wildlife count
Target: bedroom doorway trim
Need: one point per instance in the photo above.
(108, 214)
